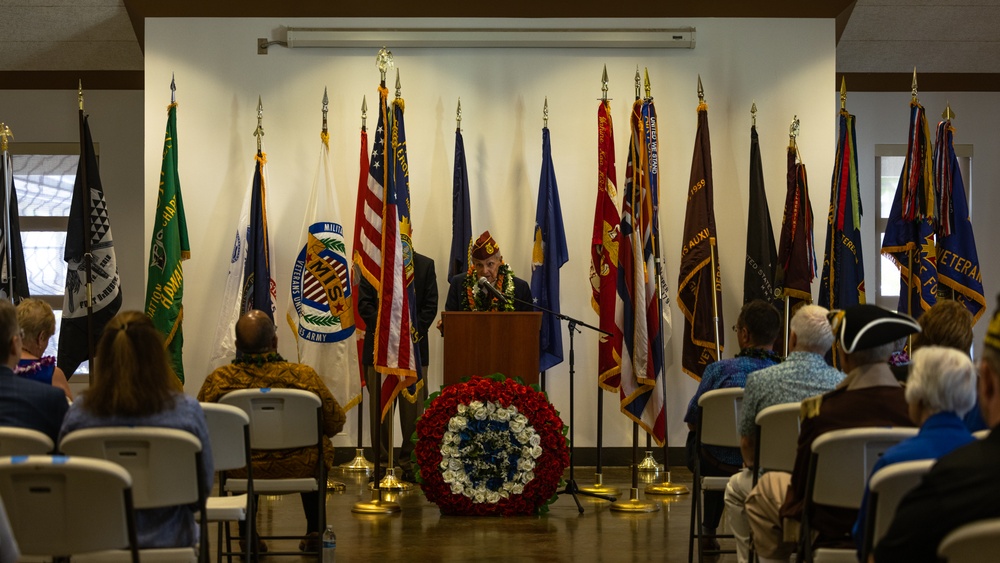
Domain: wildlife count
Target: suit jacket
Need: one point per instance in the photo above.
(457, 295)
(29, 404)
(426, 291)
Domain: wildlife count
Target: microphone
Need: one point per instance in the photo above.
(486, 285)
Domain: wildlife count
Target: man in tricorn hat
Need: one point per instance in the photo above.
(866, 336)
(467, 291)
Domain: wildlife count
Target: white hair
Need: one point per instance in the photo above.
(942, 379)
(812, 329)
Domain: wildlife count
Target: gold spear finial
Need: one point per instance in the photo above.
(701, 91)
(753, 113)
(383, 61)
(843, 93)
(399, 89)
(545, 113)
(259, 131)
(604, 84)
(948, 115)
(637, 79)
(173, 89)
(5, 135)
(646, 82)
(458, 115)
(913, 92)
(364, 113)
(326, 108)
(79, 94)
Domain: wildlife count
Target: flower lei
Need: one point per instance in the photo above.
(760, 354)
(478, 300)
(490, 446)
(257, 359)
(35, 366)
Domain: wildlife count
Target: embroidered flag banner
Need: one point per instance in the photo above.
(762, 258)
(604, 246)
(361, 223)
(461, 213)
(796, 252)
(13, 273)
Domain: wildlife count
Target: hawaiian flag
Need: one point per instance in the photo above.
(320, 311)
(548, 255)
(604, 246)
(762, 258)
(13, 272)
(395, 354)
(461, 213)
(88, 231)
(842, 284)
(168, 249)
(698, 285)
(909, 234)
(639, 313)
(357, 249)
(957, 260)
(796, 252)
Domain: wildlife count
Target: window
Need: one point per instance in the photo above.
(889, 161)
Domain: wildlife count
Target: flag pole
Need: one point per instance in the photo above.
(87, 256)
(8, 184)
(909, 251)
(793, 133)
(715, 302)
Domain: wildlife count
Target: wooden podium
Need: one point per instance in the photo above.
(484, 343)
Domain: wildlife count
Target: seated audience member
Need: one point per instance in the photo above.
(132, 384)
(258, 364)
(802, 374)
(25, 403)
(961, 487)
(38, 324)
(940, 389)
(756, 329)
(866, 335)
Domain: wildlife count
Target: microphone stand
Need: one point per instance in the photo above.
(571, 486)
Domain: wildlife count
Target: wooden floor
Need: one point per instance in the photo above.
(420, 533)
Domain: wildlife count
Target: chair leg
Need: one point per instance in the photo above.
(695, 497)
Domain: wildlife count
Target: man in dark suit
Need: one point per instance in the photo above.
(425, 290)
(464, 293)
(25, 403)
(961, 487)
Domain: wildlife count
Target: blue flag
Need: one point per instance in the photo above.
(958, 270)
(548, 255)
(258, 290)
(461, 215)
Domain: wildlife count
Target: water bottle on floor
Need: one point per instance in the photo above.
(329, 545)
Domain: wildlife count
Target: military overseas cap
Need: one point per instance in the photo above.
(993, 331)
(485, 246)
(867, 326)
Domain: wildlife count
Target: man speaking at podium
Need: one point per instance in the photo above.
(489, 285)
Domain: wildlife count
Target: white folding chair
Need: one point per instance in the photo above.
(777, 438)
(887, 487)
(839, 467)
(65, 506)
(166, 469)
(282, 419)
(971, 543)
(229, 431)
(24, 441)
(718, 425)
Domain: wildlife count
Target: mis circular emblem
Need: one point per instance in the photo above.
(321, 287)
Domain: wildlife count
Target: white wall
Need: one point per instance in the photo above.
(219, 77)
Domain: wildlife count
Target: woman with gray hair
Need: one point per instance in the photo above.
(941, 388)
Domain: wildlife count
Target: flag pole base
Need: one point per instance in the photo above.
(634, 504)
(376, 506)
(667, 488)
(649, 463)
(359, 463)
(391, 483)
(599, 488)
(334, 486)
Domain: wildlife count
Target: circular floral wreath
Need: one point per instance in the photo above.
(490, 446)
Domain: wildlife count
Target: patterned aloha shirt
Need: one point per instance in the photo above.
(800, 376)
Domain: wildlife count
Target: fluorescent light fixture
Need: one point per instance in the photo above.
(677, 38)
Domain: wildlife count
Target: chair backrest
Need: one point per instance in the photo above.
(888, 486)
(720, 416)
(972, 542)
(778, 436)
(24, 441)
(842, 460)
(164, 462)
(279, 418)
(61, 506)
(228, 429)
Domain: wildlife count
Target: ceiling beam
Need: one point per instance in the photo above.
(929, 81)
(70, 79)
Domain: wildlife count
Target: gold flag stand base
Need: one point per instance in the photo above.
(391, 483)
(359, 463)
(633, 504)
(334, 486)
(599, 488)
(649, 463)
(376, 506)
(667, 488)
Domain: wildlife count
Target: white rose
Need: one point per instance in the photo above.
(521, 418)
(457, 488)
(536, 452)
(518, 489)
(516, 426)
(508, 485)
(493, 497)
(524, 436)
(535, 440)
(525, 464)
(462, 409)
(480, 413)
(503, 415)
(475, 405)
(444, 464)
(457, 423)
(454, 464)
(491, 407)
(480, 496)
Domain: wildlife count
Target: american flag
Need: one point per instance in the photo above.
(368, 217)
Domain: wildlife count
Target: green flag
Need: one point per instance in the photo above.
(169, 246)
